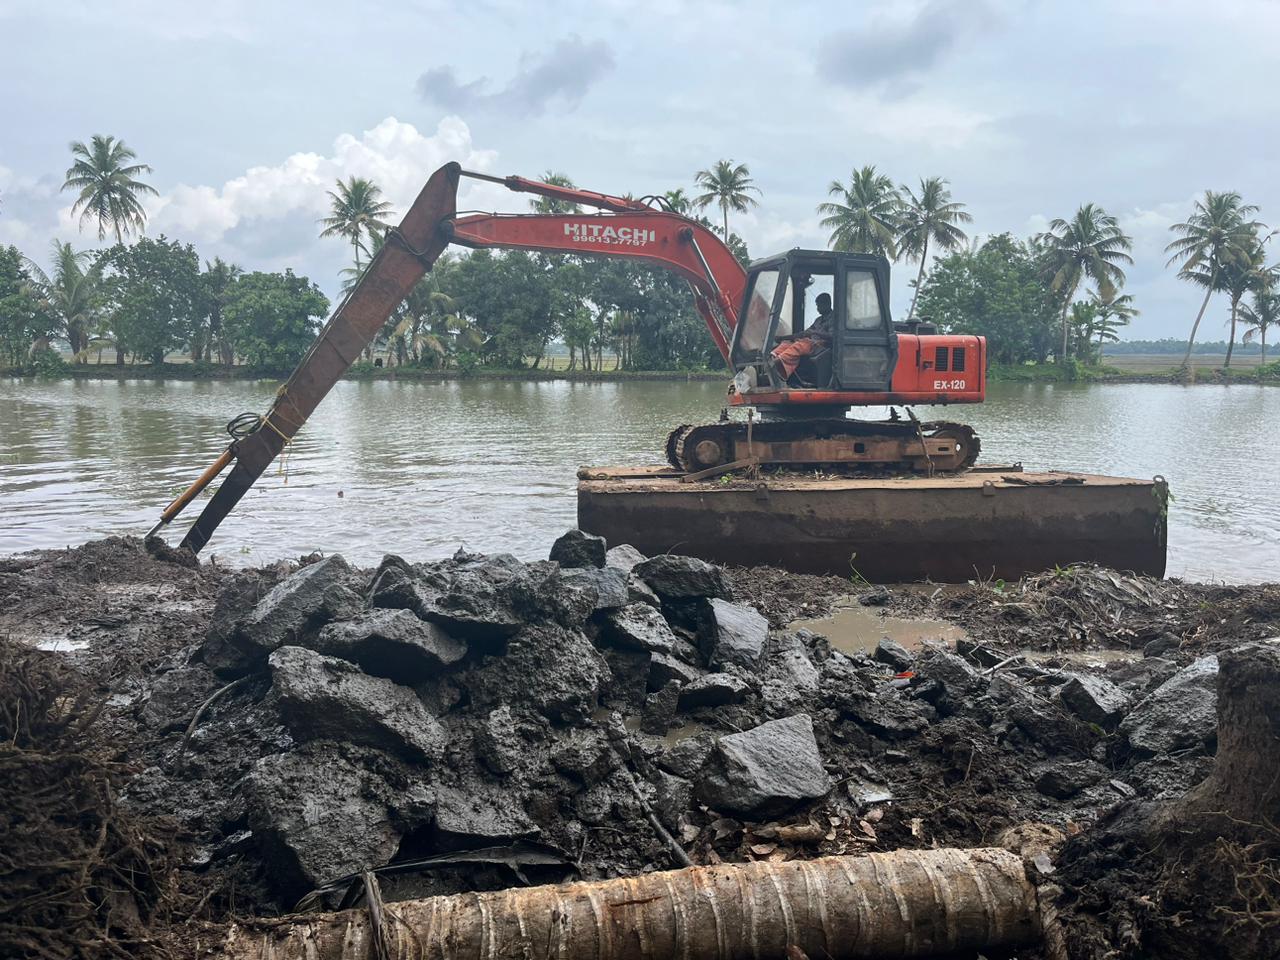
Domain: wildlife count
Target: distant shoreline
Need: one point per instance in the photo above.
(1045, 373)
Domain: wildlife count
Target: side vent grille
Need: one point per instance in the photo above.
(957, 359)
(940, 359)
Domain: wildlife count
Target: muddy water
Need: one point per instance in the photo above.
(422, 469)
(857, 629)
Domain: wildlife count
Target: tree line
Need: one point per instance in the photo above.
(1057, 294)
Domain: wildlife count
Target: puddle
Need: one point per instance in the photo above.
(674, 734)
(1097, 659)
(857, 629)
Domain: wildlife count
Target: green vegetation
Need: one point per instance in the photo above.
(1050, 305)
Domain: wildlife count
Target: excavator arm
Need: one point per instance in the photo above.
(632, 229)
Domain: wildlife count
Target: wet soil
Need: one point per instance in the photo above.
(541, 779)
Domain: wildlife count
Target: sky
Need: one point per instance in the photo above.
(248, 112)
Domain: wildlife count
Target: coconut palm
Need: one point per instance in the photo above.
(678, 201)
(931, 216)
(552, 204)
(70, 291)
(866, 217)
(1089, 245)
(1216, 233)
(1243, 274)
(218, 278)
(729, 186)
(109, 186)
(1114, 310)
(358, 210)
(1263, 313)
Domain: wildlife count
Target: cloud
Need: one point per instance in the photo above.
(887, 49)
(394, 154)
(563, 75)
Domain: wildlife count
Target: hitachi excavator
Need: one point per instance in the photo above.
(861, 359)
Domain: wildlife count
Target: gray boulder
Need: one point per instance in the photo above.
(734, 634)
(638, 626)
(765, 771)
(392, 643)
(685, 758)
(318, 816)
(623, 557)
(546, 668)
(666, 667)
(1181, 713)
(578, 549)
(1095, 700)
(608, 585)
(1064, 780)
(713, 690)
(474, 815)
(893, 654)
(679, 578)
(640, 592)
(324, 698)
(291, 610)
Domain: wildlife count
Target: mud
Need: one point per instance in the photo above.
(479, 722)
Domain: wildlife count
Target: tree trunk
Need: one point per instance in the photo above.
(1231, 344)
(119, 357)
(1066, 305)
(724, 208)
(909, 903)
(1264, 346)
(1191, 340)
(924, 255)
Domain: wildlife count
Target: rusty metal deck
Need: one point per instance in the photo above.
(992, 522)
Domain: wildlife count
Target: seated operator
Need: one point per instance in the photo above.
(787, 355)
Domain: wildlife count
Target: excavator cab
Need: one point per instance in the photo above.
(781, 305)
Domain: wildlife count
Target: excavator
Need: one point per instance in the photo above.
(797, 418)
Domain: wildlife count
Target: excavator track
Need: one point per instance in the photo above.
(848, 445)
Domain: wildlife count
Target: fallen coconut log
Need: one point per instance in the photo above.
(907, 903)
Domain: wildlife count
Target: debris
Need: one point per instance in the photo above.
(639, 626)
(1179, 714)
(391, 643)
(608, 584)
(1095, 700)
(893, 653)
(1064, 780)
(735, 635)
(765, 771)
(577, 549)
(675, 577)
(713, 690)
(623, 557)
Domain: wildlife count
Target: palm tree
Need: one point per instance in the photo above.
(678, 201)
(729, 186)
(1245, 273)
(932, 215)
(552, 204)
(71, 292)
(357, 209)
(1263, 314)
(1090, 244)
(1216, 233)
(1114, 310)
(109, 186)
(866, 217)
(218, 278)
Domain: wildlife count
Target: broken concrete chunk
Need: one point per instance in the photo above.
(736, 635)
(584, 755)
(678, 578)
(640, 592)
(608, 584)
(498, 746)
(666, 667)
(476, 816)
(1181, 713)
(660, 709)
(290, 610)
(639, 626)
(546, 668)
(713, 690)
(324, 698)
(319, 816)
(578, 549)
(392, 643)
(893, 654)
(685, 758)
(1095, 700)
(1064, 780)
(765, 771)
(623, 557)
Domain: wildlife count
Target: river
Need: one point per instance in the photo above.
(422, 469)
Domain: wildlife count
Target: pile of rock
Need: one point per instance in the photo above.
(550, 711)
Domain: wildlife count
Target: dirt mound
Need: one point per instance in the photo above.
(481, 722)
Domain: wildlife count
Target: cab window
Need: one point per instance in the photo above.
(862, 301)
(755, 326)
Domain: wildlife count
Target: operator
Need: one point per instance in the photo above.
(787, 356)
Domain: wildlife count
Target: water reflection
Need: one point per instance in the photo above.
(421, 469)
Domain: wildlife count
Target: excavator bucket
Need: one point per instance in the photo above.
(410, 251)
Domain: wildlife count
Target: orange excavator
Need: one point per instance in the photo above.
(852, 355)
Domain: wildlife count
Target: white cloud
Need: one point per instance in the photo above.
(394, 154)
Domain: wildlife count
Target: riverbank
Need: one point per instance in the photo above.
(997, 373)
(204, 702)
